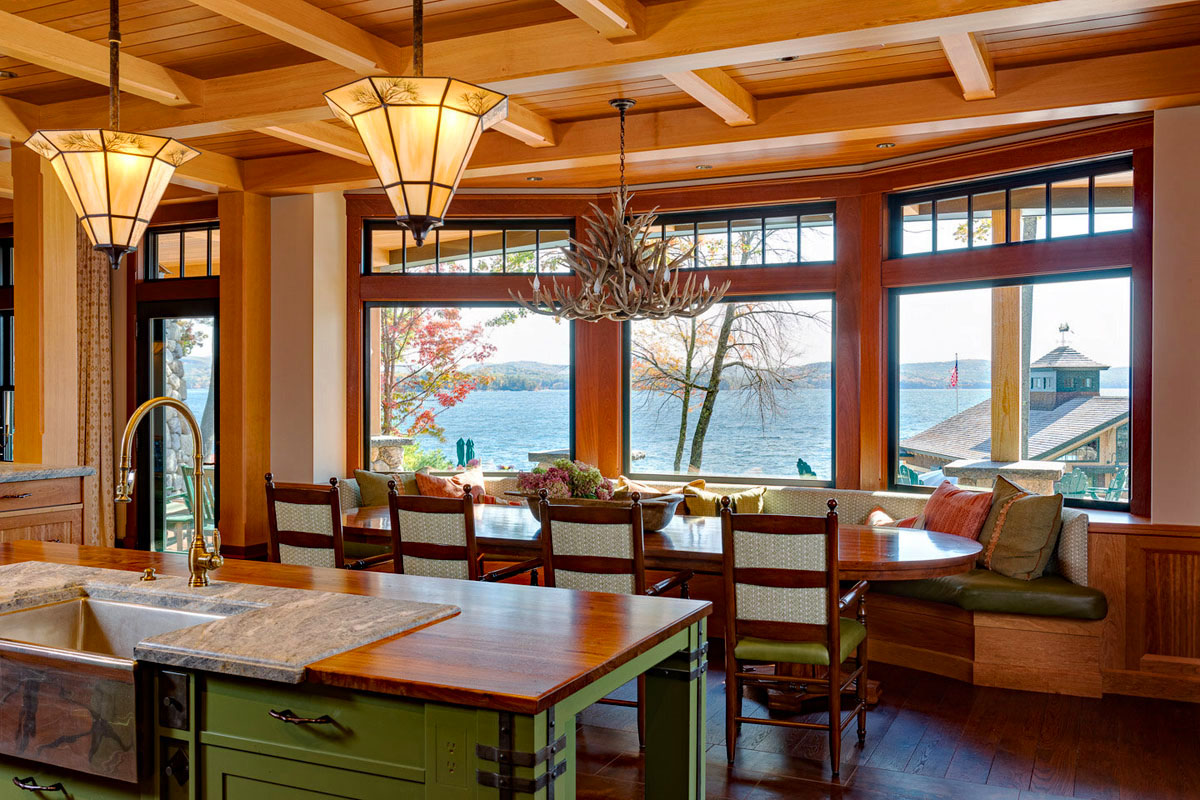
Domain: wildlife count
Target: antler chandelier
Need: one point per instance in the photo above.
(113, 178)
(625, 271)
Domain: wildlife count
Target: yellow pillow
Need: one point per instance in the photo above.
(703, 503)
(625, 486)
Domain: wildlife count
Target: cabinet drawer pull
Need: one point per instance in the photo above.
(30, 785)
(21, 496)
(287, 716)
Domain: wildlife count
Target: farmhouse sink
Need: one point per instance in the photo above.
(77, 698)
(105, 627)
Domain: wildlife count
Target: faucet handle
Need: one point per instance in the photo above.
(216, 548)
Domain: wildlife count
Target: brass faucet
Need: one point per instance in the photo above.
(200, 560)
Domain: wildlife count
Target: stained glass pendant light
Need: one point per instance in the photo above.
(113, 178)
(419, 133)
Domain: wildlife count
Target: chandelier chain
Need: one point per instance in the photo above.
(114, 64)
(623, 189)
(418, 28)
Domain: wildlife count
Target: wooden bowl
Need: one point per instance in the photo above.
(657, 512)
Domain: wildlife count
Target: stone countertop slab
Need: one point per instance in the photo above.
(269, 633)
(10, 473)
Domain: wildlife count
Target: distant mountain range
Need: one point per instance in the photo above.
(973, 373)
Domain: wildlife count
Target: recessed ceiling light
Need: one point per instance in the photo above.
(786, 59)
(533, 178)
(886, 145)
(704, 166)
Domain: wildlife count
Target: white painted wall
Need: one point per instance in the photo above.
(1175, 496)
(308, 337)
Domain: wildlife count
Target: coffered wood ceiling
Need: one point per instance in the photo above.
(741, 86)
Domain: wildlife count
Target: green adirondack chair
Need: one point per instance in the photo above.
(1114, 489)
(907, 476)
(1075, 483)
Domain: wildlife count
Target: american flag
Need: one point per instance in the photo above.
(954, 374)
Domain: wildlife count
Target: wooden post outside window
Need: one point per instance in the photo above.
(1007, 374)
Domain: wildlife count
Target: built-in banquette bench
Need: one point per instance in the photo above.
(980, 626)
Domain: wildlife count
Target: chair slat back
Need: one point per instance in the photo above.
(593, 548)
(433, 536)
(781, 575)
(305, 524)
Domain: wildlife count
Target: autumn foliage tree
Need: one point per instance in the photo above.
(423, 353)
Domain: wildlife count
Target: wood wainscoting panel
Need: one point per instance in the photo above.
(1038, 654)
(932, 637)
(1172, 597)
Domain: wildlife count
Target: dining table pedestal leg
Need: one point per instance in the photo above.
(804, 696)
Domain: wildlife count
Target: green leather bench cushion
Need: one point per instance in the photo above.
(751, 649)
(984, 590)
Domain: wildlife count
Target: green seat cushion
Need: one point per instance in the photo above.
(984, 590)
(772, 650)
(353, 551)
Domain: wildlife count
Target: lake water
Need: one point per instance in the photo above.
(507, 426)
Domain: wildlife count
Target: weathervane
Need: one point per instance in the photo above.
(1063, 329)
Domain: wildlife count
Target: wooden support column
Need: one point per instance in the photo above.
(861, 380)
(599, 437)
(1006, 374)
(46, 315)
(1142, 286)
(245, 352)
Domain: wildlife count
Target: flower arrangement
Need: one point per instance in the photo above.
(566, 478)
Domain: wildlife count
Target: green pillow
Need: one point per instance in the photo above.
(1020, 532)
(373, 486)
(703, 503)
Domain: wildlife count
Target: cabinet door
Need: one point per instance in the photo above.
(44, 524)
(237, 775)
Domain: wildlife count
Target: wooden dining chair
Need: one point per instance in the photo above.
(602, 549)
(305, 524)
(435, 537)
(783, 604)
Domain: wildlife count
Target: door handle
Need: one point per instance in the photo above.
(30, 785)
(287, 716)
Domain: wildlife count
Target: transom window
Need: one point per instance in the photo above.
(468, 248)
(183, 251)
(779, 235)
(1083, 200)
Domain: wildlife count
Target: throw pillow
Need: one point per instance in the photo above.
(958, 511)
(624, 486)
(452, 485)
(880, 518)
(1020, 532)
(373, 486)
(703, 503)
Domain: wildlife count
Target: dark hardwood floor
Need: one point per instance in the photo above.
(929, 738)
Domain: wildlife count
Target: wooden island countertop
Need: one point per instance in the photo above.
(513, 648)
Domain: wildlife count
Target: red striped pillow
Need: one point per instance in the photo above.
(958, 511)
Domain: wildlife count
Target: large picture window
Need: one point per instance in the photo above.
(1071, 337)
(495, 378)
(743, 391)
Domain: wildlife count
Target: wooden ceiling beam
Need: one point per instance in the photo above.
(1048, 93)
(721, 94)
(18, 120)
(969, 59)
(71, 55)
(613, 19)
(315, 30)
(561, 54)
(527, 126)
(211, 172)
(325, 137)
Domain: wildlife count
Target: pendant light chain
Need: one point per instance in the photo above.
(114, 65)
(418, 27)
(623, 110)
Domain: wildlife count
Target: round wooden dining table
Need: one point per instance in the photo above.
(865, 552)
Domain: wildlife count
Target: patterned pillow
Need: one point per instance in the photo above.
(703, 503)
(626, 486)
(958, 511)
(451, 486)
(1020, 532)
(373, 486)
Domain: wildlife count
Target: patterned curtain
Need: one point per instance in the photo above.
(95, 390)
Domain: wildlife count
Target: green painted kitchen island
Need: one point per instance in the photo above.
(478, 705)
